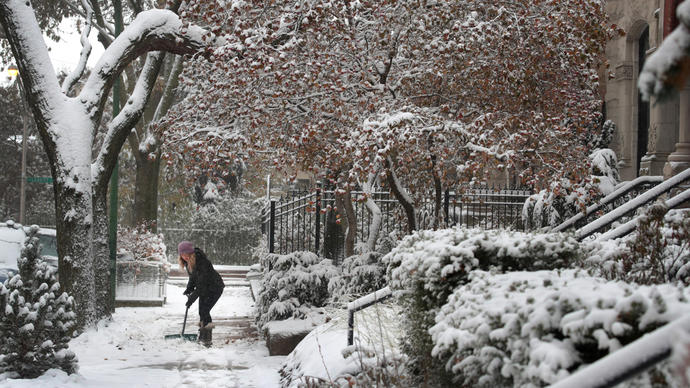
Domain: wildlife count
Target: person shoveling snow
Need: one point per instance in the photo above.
(204, 283)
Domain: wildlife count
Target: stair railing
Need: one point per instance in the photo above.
(648, 196)
(635, 184)
(360, 304)
(629, 360)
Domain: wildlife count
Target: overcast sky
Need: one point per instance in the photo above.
(65, 53)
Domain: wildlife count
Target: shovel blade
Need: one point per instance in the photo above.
(186, 337)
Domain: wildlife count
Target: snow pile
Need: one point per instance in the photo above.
(534, 328)
(37, 319)
(658, 252)
(361, 274)
(293, 285)
(374, 360)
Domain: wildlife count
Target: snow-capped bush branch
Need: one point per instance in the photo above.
(293, 285)
(530, 329)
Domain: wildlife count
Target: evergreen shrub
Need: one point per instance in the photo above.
(361, 274)
(293, 285)
(37, 319)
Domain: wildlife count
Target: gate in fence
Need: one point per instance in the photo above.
(308, 221)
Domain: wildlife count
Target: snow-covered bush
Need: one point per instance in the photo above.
(658, 252)
(361, 274)
(293, 285)
(430, 265)
(440, 261)
(37, 319)
(142, 244)
(563, 198)
(530, 329)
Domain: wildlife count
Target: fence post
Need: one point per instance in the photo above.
(318, 220)
(272, 227)
(446, 204)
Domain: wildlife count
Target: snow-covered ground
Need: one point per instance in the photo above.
(130, 351)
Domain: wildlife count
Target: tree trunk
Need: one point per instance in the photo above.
(374, 210)
(146, 191)
(438, 189)
(74, 224)
(344, 202)
(101, 259)
(401, 195)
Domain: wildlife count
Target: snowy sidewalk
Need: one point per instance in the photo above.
(131, 350)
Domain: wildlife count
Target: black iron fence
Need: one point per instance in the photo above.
(310, 221)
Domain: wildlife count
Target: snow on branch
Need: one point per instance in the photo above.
(72, 78)
(669, 66)
(152, 30)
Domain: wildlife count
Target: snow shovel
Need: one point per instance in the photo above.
(188, 337)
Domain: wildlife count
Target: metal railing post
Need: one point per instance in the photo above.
(318, 221)
(272, 227)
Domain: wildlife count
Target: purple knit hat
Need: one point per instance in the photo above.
(185, 247)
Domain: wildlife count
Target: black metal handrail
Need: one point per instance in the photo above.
(630, 360)
(648, 196)
(617, 194)
(360, 304)
(631, 225)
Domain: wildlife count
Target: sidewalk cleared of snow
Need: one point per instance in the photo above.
(130, 351)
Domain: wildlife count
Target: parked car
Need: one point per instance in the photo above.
(11, 242)
(6, 273)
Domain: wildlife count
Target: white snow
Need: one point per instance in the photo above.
(130, 351)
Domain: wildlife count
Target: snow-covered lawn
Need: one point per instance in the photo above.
(130, 351)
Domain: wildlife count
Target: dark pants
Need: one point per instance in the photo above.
(206, 303)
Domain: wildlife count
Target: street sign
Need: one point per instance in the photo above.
(39, 179)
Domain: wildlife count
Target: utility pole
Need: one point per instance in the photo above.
(13, 72)
(114, 178)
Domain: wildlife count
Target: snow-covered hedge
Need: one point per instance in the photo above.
(293, 285)
(361, 274)
(430, 265)
(439, 261)
(658, 252)
(529, 329)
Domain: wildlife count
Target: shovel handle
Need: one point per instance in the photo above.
(184, 323)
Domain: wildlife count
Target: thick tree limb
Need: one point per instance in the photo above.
(152, 30)
(120, 126)
(73, 77)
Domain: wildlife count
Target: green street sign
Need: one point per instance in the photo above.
(39, 179)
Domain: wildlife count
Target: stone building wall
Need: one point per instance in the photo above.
(646, 134)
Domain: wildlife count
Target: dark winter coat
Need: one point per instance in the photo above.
(203, 281)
